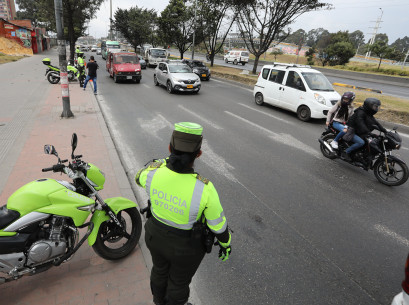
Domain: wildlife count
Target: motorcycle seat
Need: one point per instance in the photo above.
(7, 216)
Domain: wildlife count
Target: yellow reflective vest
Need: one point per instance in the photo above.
(179, 200)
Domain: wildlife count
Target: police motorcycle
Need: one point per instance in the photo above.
(39, 226)
(375, 154)
(53, 73)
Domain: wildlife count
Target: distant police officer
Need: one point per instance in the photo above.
(179, 199)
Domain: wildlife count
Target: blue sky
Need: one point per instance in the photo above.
(348, 15)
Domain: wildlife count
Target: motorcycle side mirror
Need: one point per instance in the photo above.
(50, 150)
(74, 141)
(395, 128)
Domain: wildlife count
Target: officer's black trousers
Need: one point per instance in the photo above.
(175, 261)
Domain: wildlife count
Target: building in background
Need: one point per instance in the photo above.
(7, 9)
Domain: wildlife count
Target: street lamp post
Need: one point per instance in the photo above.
(194, 33)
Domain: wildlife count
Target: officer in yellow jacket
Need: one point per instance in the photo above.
(180, 199)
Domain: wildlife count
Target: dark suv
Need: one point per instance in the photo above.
(199, 68)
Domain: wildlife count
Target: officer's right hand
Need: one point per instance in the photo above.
(224, 251)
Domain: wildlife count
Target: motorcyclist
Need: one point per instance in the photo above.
(362, 122)
(339, 115)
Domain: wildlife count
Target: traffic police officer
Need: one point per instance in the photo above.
(179, 199)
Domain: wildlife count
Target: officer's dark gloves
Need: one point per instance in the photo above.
(383, 130)
(224, 251)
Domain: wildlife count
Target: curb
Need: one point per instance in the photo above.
(358, 88)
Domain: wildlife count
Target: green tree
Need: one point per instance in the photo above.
(135, 24)
(313, 36)
(337, 50)
(76, 14)
(215, 18)
(381, 49)
(176, 25)
(276, 52)
(297, 37)
(357, 38)
(401, 44)
(261, 22)
(310, 55)
(381, 37)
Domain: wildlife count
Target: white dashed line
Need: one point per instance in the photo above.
(268, 114)
(385, 231)
(200, 118)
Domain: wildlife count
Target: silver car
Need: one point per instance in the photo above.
(176, 76)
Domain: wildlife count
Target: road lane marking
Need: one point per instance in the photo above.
(200, 118)
(284, 138)
(147, 86)
(232, 85)
(216, 162)
(153, 126)
(385, 231)
(265, 113)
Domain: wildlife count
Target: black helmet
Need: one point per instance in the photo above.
(80, 54)
(372, 105)
(349, 95)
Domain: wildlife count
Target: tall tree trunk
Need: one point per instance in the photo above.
(380, 60)
(255, 63)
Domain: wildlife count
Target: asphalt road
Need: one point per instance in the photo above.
(387, 89)
(307, 230)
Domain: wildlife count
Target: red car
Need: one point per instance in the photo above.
(124, 66)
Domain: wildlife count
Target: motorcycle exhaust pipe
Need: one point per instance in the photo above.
(326, 145)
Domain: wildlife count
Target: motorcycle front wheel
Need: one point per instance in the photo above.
(397, 175)
(325, 151)
(52, 78)
(111, 242)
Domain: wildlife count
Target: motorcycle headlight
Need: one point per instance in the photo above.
(319, 98)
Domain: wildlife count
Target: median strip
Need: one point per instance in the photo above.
(358, 88)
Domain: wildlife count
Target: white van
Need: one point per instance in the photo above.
(296, 88)
(236, 57)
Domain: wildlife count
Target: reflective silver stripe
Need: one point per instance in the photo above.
(173, 224)
(26, 220)
(221, 230)
(149, 181)
(195, 202)
(215, 222)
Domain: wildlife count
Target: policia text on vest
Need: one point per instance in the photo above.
(186, 215)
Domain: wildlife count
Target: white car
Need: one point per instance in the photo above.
(237, 57)
(176, 76)
(94, 48)
(98, 51)
(297, 88)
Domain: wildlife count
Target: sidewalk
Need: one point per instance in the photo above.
(87, 278)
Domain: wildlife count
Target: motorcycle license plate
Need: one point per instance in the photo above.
(189, 86)
(204, 75)
(129, 77)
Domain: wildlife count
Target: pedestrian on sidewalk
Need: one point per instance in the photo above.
(184, 212)
(92, 67)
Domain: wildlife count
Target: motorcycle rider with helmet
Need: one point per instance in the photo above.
(339, 115)
(362, 122)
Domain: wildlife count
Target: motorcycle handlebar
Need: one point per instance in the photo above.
(54, 168)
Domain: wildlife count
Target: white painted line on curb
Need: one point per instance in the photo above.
(385, 231)
(268, 114)
(200, 118)
(284, 138)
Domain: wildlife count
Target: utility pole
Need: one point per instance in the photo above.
(372, 40)
(110, 20)
(62, 56)
(403, 64)
(194, 33)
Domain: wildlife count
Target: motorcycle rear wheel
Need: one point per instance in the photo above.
(53, 79)
(325, 151)
(398, 172)
(111, 244)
